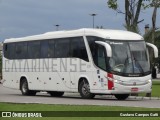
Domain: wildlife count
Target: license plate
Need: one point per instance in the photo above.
(134, 89)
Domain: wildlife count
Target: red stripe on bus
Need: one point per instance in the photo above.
(110, 81)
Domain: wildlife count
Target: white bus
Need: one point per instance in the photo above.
(89, 61)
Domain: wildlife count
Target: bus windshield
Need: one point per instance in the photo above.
(129, 57)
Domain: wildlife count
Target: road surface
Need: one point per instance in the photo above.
(14, 96)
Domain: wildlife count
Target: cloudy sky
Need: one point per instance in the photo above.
(20, 18)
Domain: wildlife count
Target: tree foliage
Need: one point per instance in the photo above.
(153, 35)
(148, 37)
(132, 12)
(155, 4)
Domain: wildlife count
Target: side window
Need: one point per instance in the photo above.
(62, 48)
(51, 49)
(5, 50)
(83, 51)
(92, 45)
(44, 49)
(98, 53)
(78, 48)
(34, 49)
(21, 50)
(101, 57)
(75, 48)
(11, 50)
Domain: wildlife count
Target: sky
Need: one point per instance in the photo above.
(19, 18)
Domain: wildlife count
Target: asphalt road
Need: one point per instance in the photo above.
(14, 96)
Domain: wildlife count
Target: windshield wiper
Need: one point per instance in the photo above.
(136, 64)
(127, 61)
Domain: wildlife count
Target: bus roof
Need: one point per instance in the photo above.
(103, 33)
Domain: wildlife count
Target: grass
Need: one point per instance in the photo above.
(156, 89)
(43, 107)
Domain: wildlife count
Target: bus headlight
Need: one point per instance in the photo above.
(149, 81)
(115, 81)
(118, 81)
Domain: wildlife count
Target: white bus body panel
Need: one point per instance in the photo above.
(49, 74)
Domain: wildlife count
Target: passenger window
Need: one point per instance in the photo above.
(34, 50)
(44, 49)
(11, 50)
(62, 48)
(78, 49)
(5, 50)
(21, 50)
(75, 48)
(51, 49)
(83, 51)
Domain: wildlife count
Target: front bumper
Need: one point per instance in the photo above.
(123, 89)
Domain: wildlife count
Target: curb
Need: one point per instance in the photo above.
(145, 98)
(156, 79)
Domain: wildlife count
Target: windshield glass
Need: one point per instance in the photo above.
(129, 57)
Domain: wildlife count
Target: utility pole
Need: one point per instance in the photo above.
(57, 27)
(93, 15)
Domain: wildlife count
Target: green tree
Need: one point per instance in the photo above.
(156, 5)
(132, 12)
(148, 38)
(153, 34)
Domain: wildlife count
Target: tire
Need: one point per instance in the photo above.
(56, 94)
(121, 96)
(84, 90)
(25, 90)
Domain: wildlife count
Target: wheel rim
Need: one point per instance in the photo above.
(86, 89)
(24, 87)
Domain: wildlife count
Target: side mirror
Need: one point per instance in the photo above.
(107, 47)
(154, 48)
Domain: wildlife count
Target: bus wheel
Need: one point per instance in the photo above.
(121, 96)
(56, 94)
(25, 90)
(84, 90)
